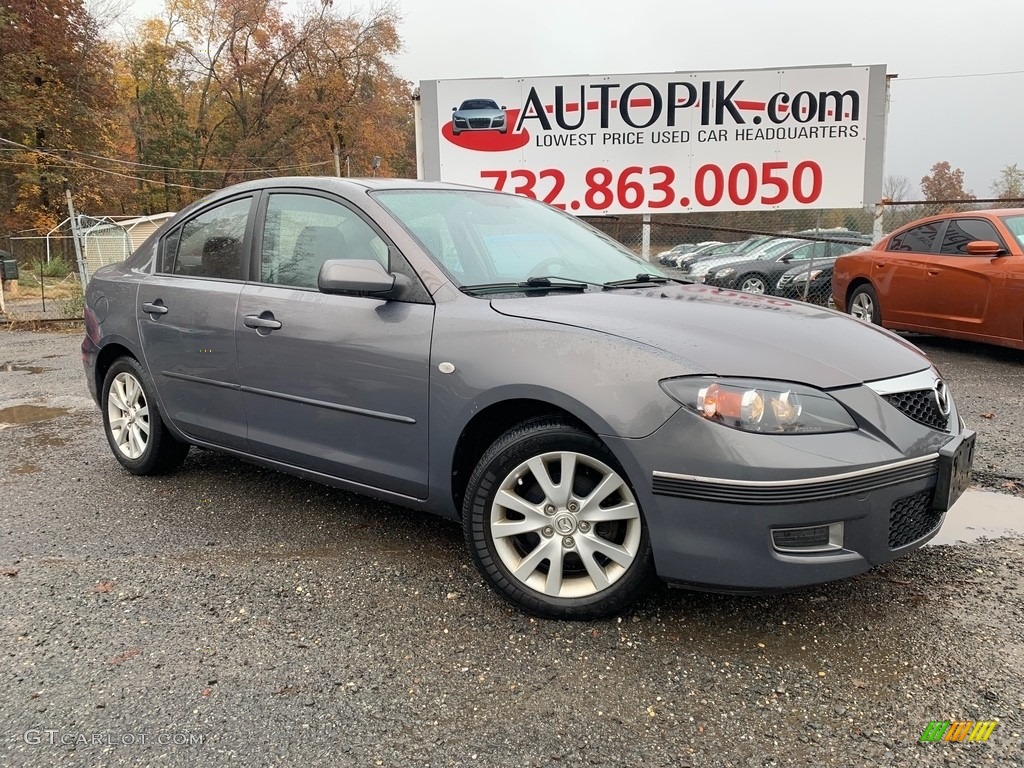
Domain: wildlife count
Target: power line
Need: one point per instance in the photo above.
(954, 77)
(149, 166)
(67, 162)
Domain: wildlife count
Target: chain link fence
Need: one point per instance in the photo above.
(44, 275)
(789, 254)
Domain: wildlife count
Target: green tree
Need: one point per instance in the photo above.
(1010, 184)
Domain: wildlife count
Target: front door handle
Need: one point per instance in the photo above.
(933, 272)
(264, 321)
(154, 308)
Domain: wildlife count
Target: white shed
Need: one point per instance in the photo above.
(108, 241)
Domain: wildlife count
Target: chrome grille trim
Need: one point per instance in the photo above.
(795, 491)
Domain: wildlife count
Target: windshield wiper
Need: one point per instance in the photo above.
(641, 279)
(530, 284)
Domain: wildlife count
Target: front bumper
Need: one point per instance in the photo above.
(713, 497)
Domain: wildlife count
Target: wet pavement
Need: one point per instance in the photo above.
(231, 615)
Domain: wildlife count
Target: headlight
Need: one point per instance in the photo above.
(725, 272)
(760, 406)
(803, 277)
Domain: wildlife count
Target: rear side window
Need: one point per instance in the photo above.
(918, 239)
(211, 244)
(960, 232)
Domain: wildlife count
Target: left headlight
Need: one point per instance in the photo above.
(725, 272)
(803, 277)
(753, 405)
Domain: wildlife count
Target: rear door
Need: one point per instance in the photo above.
(900, 273)
(186, 315)
(333, 384)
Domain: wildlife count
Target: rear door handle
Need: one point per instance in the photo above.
(260, 322)
(933, 272)
(154, 308)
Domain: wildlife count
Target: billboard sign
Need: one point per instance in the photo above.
(664, 143)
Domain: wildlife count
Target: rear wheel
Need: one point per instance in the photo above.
(753, 284)
(133, 424)
(552, 523)
(863, 305)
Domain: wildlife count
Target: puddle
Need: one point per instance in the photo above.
(28, 414)
(30, 369)
(982, 514)
(26, 469)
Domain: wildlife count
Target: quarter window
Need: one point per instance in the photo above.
(304, 231)
(917, 239)
(210, 245)
(960, 232)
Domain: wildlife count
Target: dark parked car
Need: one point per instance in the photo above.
(762, 275)
(478, 115)
(488, 358)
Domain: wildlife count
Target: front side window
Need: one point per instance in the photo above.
(960, 232)
(210, 245)
(917, 239)
(303, 231)
(1016, 226)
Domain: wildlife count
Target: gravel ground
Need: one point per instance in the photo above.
(272, 621)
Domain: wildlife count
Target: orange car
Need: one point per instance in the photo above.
(958, 274)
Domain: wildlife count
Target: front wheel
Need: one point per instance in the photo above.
(863, 305)
(753, 284)
(553, 525)
(132, 422)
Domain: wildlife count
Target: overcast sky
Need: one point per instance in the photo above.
(976, 123)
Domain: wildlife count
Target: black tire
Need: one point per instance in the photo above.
(753, 277)
(580, 596)
(863, 304)
(161, 452)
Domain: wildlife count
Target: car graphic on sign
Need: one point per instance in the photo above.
(478, 115)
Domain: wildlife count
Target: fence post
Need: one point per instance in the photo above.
(645, 238)
(877, 230)
(74, 236)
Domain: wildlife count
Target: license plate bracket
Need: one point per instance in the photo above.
(955, 461)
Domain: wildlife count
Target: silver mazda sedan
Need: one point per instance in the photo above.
(485, 357)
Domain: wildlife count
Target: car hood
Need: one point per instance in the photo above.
(728, 333)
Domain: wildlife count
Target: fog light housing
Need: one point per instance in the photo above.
(814, 538)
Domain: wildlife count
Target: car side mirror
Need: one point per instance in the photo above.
(504, 107)
(358, 277)
(984, 248)
(787, 258)
(455, 109)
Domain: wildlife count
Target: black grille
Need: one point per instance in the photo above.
(912, 517)
(480, 122)
(920, 406)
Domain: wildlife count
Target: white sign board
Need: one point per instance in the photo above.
(664, 143)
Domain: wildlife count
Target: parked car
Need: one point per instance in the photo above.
(488, 358)
(698, 270)
(958, 275)
(761, 275)
(478, 115)
(668, 258)
(810, 282)
(737, 249)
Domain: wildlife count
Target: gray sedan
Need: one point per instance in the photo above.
(593, 423)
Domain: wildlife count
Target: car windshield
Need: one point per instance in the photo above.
(479, 104)
(1016, 226)
(485, 238)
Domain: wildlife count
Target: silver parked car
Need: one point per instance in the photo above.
(479, 115)
(488, 358)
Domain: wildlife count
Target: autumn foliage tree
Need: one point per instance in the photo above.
(56, 105)
(945, 183)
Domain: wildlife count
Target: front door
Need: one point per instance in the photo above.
(340, 386)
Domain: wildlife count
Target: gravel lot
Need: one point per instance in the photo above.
(264, 620)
